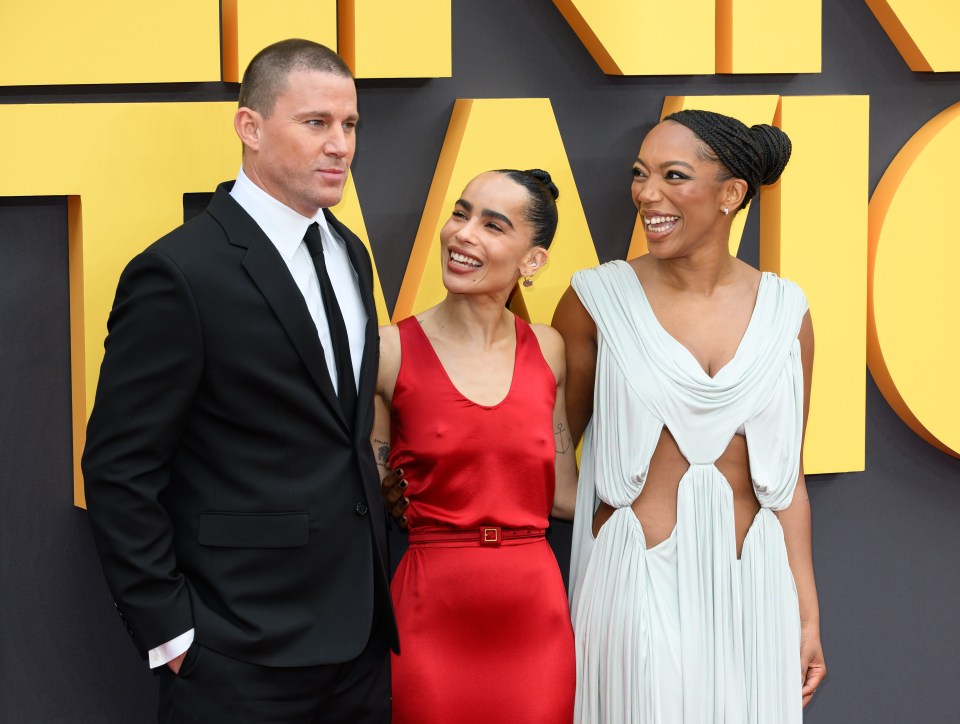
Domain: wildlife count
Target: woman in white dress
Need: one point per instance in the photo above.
(692, 586)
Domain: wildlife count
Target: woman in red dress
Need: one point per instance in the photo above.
(470, 406)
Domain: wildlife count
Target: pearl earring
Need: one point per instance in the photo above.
(726, 211)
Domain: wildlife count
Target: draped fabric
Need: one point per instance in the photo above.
(684, 631)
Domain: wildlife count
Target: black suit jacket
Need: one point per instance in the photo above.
(226, 490)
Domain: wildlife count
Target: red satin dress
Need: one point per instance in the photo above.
(485, 632)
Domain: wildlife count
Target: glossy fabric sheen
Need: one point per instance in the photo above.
(485, 630)
(683, 632)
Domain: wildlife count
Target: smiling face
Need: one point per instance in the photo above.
(300, 154)
(678, 193)
(486, 242)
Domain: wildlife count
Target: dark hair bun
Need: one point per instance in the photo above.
(757, 155)
(541, 207)
(773, 146)
(544, 178)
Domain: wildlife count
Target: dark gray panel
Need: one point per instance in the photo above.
(64, 656)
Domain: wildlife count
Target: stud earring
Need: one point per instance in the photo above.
(528, 282)
(726, 211)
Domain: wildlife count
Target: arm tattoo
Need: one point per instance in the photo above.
(383, 453)
(563, 441)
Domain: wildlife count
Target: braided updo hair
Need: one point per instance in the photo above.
(541, 207)
(757, 155)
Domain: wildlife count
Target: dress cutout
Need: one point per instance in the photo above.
(684, 633)
(485, 631)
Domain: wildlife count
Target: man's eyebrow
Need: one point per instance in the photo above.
(353, 117)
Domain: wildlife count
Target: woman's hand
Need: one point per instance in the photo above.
(392, 490)
(813, 670)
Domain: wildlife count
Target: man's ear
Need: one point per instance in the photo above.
(247, 123)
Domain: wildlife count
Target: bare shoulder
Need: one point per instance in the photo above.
(571, 318)
(806, 335)
(551, 347)
(551, 343)
(389, 340)
(389, 359)
(749, 278)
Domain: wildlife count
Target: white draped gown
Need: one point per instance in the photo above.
(683, 632)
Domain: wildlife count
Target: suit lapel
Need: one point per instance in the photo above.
(360, 260)
(268, 271)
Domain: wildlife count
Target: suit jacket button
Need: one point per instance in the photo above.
(361, 508)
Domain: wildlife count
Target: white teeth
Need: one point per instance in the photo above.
(650, 221)
(463, 259)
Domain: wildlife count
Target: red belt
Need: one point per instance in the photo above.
(485, 535)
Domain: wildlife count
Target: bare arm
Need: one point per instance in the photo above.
(579, 333)
(383, 396)
(565, 461)
(380, 436)
(795, 521)
(392, 484)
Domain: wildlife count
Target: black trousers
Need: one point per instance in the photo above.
(214, 689)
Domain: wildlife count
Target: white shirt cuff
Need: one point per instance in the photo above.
(170, 650)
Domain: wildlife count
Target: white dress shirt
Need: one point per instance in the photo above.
(286, 228)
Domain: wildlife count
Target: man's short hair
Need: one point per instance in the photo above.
(266, 76)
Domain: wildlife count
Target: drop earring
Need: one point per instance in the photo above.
(528, 280)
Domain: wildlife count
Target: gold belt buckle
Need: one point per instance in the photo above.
(490, 536)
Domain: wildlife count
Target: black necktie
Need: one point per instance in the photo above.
(346, 389)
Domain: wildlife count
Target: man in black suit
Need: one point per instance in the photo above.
(229, 476)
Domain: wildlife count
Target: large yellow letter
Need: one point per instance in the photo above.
(759, 36)
(640, 37)
(924, 31)
(698, 37)
(813, 230)
(108, 41)
(914, 297)
(250, 25)
(390, 39)
(490, 134)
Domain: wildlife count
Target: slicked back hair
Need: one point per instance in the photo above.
(540, 210)
(266, 76)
